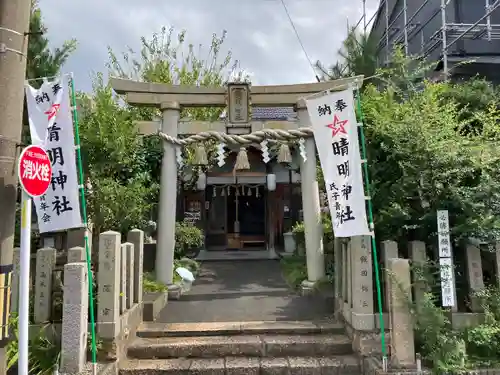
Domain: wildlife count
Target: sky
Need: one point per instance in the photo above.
(259, 33)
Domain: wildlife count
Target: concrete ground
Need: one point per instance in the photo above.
(250, 290)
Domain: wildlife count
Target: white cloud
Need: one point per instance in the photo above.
(259, 33)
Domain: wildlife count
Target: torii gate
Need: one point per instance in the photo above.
(238, 97)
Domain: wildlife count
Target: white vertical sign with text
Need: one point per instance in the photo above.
(51, 127)
(335, 129)
(445, 259)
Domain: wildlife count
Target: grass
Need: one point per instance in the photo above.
(294, 270)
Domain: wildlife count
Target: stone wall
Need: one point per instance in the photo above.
(356, 297)
(60, 286)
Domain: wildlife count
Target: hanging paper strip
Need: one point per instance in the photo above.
(265, 151)
(221, 156)
(302, 149)
(178, 157)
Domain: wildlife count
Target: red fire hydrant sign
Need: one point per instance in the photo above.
(35, 171)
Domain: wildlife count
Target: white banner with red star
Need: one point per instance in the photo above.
(51, 127)
(335, 129)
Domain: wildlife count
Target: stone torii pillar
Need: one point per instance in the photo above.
(165, 243)
(310, 206)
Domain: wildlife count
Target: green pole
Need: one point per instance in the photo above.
(372, 228)
(85, 223)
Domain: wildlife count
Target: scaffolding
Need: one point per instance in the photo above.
(394, 34)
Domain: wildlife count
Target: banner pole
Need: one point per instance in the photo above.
(372, 227)
(24, 287)
(85, 223)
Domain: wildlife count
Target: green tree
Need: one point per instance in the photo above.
(165, 58)
(432, 146)
(120, 188)
(41, 61)
(421, 162)
(358, 56)
(124, 168)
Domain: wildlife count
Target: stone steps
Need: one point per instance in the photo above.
(240, 346)
(246, 348)
(157, 330)
(338, 365)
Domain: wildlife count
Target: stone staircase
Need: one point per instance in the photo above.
(250, 348)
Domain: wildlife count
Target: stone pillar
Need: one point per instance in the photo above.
(75, 318)
(497, 262)
(45, 263)
(389, 251)
(418, 257)
(474, 274)
(77, 255)
(129, 274)
(346, 281)
(136, 237)
(123, 278)
(311, 206)
(76, 238)
(14, 289)
(362, 283)
(164, 267)
(348, 270)
(108, 285)
(338, 267)
(271, 196)
(402, 340)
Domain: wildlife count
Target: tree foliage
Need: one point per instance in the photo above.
(357, 57)
(421, 163)
(124, 168)
(121, 188)
(431, 146)
(42, 61)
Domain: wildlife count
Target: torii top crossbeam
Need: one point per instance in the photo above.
(153, 94)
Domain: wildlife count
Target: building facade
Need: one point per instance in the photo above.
(237, 210)
(450, 32)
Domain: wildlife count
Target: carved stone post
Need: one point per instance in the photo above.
(474, 275)
(311, 206)
(164, 267)
(389, 251)
(361, 283)
(402, 339)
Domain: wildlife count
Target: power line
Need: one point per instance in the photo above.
(300, 41)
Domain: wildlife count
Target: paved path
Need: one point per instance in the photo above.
(235, 291)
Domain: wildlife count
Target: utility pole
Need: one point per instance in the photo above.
(14, 28)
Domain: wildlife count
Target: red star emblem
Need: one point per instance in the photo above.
(337, 126)
(52, 111)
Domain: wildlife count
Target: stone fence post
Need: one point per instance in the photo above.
(362, 284)
(474, 275)
(389, 251)
(108, 281)
(136, 237)
(402, 336)
(45, 263)
(75, 318)
(419, 258)
(129, 275)
(76, 255)
(123, 278)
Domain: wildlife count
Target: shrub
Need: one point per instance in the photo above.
(187, 236)
(328, 237)
(294, 270)
(44, 353)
